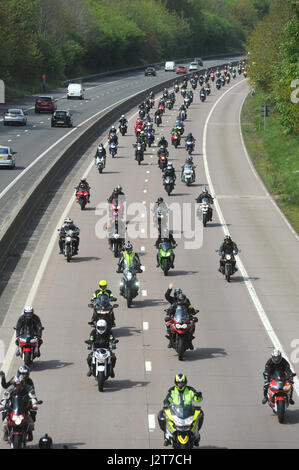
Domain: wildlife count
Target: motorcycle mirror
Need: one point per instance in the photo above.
(195, 320)
(90, 305)
(294, 374)
(115, 306)
(40, 402)
(167, 318)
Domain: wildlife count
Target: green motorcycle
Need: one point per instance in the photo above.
(165, 256)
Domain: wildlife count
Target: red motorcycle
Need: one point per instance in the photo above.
(212, 76)
(175, 140)
(182, 326)
(279, 392)
(151, 102)
(161, 108)
(18, 420)
(82, 197)
(28, 345)
(116, 209)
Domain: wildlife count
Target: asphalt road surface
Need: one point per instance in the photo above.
(233, 336)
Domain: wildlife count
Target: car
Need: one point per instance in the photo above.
(7, 156)
(75, 90)
(193, 67)
(150, 71)
(199, 61)
(181, 69)
(15, 116)
(62, 118)
(45, 103)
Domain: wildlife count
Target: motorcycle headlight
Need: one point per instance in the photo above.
(228, 257)
(68, 239)
(137, 284)
(178, 326)
(129, 276)
(182, 422)
(287, 388)
(116, 235)
(184, 326)
(18, 419)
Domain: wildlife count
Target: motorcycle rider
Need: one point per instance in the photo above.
(188, 162)
(115, 193)
(31, 320)
(100, 153)
(69, 225)
(227, 247)
(277, 362)
(163, 142)
(112, 136)
(205, 195)
(129, 259)
(19, 386)
(23, 370)
(180, 300)
(84, 185)
(176, 395)
(100, 337)
(169, 171)
(107, 292)
(166, 236)
(173, 299)
(123, 121)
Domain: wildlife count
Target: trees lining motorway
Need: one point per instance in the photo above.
(231, 345)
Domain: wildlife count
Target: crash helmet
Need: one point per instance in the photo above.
(276, 356)
(177, 292)
(103, 284)
(118, 189)
(160, 200)
(45, 442)
(101, 326)
(205, 190)
(83, 180)
(181, 299)
(180, 381)
(227, 239)
(24, 370)
(18, 381)
(68, 221)
(129, 247)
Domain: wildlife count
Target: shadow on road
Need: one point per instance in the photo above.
(149, 303)
(291, 417)
(205, 353)
(85, 258)
(126, 331)
(116, 385)
(181, 273)
(52, 364)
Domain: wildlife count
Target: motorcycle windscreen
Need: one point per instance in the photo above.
(182, 411)
(280, 377)
(129, 274)
(19, 404)
(103, 303)
(181, 314)
(165, 246)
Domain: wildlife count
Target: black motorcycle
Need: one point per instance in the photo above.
(129, 285)
(103, 310)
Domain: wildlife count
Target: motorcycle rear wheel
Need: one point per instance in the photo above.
(27, 358)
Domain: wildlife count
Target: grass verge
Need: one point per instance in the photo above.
(275, 155)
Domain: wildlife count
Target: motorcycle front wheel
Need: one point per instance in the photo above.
(101, 380)
(281, 408)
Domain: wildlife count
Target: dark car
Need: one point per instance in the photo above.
(61, 118)
(45, 103)
(150, 71)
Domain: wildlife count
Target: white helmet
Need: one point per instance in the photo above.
(28, 309)
(276, 356)
(101, 326)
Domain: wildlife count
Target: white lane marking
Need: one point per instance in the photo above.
(142, 248)
(261, 181)
(148, 171)
(144, 293)
(259, 308)
(145, 325)
(151, 422)
(145, 190)
(148, 366)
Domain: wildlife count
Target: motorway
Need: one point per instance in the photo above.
(238, 322)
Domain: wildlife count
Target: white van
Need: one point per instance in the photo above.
(75, 90)
(170, 66)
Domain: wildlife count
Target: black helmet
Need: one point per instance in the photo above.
(129, 247)
(160, 199)
(177, 292)
(181, 299)
(180, 381)
(45, 442)
(24, 370)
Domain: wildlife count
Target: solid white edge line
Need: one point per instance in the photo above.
(151, 422)
(259, 308)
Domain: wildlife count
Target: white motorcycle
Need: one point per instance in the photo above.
(101, 365)
(188, 175)
(100, 163)
(206, 211)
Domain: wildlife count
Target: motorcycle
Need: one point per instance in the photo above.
(279, 391)
(176, 88)
(206, 211)
(202, 96)
(161, 108)
(183, 115)
(187, 101)
(222, 81)
(159, 215)
(212, 77)
(101, 364)
(69, 245)
(129, 285)
(165, 256)
(150, 137)
(113, 149)
(181, 424)
(168, 184)
(182, 326)
(175, 140)
(169, 104)
(229, 263)
(139, 156)
(183, 92)
(102, 310)
(218, 85)
(123, 129)
(162, 160)
(100, 163)
(18, 409)
(208, 90)
(188, 174)
(82, 197)
(189, 146)
(158, 120)
(116, 244)
(28, 345)
(141, 113)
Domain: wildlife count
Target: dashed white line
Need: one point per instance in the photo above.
(148, 366)
(144, 293)
(151, 422)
